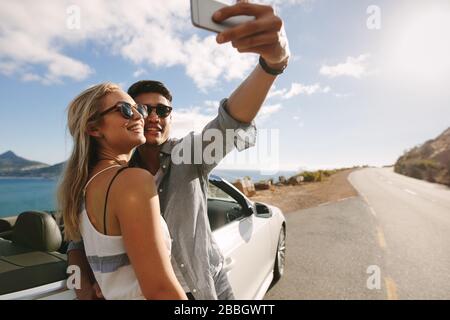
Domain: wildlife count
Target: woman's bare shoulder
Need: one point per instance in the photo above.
(131, 180)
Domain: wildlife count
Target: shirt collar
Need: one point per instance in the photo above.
(167, 146)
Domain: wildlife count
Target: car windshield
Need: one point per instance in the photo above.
(217, 193)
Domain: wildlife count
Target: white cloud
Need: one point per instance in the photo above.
(352, 67)
(342, 95)
(274, 92)
(187, 120)
(158, 36)
(211, 106)
(31, 77)
(282, 2)
(196, 118)
(139, 72)
(25, 43)
(266, 111)
(8, 68)
(297, 89)
(207, 61)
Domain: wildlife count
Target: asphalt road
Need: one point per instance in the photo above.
(391, 242)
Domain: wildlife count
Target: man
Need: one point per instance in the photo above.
(182, 185)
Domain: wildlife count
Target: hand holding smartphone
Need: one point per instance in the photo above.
(203, 10)
(265, 36)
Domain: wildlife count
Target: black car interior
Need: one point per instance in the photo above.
(222, 212)
(30, 252)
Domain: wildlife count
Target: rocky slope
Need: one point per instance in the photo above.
(429, 161)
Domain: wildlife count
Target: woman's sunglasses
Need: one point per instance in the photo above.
(126, 109)
(161, 110)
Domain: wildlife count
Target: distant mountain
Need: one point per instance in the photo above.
(49, 172)
(10, 162)
(429, 161)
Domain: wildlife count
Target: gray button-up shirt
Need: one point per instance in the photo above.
(183, 200)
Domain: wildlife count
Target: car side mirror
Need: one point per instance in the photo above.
(263, 211)
(249, 210)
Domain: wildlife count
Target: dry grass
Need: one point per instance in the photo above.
(307, 195)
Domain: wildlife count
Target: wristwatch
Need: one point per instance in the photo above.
(269, 70)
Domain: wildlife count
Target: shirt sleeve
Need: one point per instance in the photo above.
(75, 245)
(225, 133)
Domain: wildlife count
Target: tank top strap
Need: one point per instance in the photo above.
(95, 175)
(106, 198)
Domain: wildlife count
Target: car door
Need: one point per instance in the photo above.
(244, 240)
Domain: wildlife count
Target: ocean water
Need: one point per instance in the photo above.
(256, 175)
(18, 195)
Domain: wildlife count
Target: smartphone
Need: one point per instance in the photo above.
(203, 10)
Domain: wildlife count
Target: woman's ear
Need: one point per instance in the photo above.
(94, 131)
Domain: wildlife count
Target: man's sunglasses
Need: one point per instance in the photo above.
(126, 109)
(161, 110)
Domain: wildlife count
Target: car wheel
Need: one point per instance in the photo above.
(280, 257)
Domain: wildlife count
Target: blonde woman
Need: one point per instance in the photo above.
(113, 208)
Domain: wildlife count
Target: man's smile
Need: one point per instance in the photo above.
(153, 129)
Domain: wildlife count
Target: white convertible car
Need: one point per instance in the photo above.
(251, 235)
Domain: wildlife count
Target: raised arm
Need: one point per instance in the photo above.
(137, 210)
(265, 36)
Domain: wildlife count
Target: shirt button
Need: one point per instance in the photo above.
(161, 154)
(182, 265)
(160, 190)
(164, 166)
(194, 290)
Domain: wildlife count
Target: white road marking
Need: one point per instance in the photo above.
(372, 210)
(343, 199)
(366, 200)
(363, 196)
(411, 192)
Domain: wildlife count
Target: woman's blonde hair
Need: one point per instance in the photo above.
(80, 111)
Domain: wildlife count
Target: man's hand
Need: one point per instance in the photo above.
(89, 290)
(98, 292)
(265, 35)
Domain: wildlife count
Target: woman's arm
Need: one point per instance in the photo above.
(136, 207)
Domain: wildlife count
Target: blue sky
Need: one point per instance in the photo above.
(350, 96)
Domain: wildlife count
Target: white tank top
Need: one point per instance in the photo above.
(109, 261)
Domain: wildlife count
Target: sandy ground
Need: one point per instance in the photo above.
(307, 195)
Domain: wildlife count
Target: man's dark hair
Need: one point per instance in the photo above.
(149, 86)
